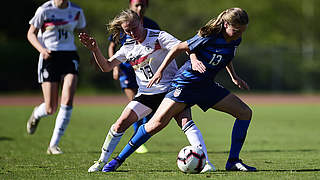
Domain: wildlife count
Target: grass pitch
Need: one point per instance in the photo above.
(283, 143)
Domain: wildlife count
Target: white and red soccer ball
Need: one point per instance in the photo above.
(191, 159)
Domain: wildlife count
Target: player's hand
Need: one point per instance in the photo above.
(155, 79)
(46, 54)
(88, 41)
(240, 83)
(197, 65)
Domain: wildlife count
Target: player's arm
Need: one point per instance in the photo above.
(174, 52)
(235, 78)
(104, 64)
(32, 38)
(111, 50)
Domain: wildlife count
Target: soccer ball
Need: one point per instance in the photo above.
(191, 159)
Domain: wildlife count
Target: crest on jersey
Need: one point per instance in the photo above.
(177, 92)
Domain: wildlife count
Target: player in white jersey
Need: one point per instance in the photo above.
(145, 52)
(51, 33)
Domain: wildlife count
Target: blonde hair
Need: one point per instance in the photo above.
(114, 26)
(233, 16)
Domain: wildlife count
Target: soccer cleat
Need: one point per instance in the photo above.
(112, 165)
(142, 149)
(238, 165)
(209, 167)
(54, 150)
(32, 123)
(97, 166)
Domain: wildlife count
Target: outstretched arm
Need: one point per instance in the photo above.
(235, 78)
(104, 64)
(174, 52)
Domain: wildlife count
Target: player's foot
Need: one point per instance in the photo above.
(238, 165)
(112, 165)
(209, 167)
(54, 150)
(97, 166)
(142, 149)
(32, 123)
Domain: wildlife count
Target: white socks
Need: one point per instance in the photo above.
(110, 143)
(40, 111)
(61, 125)
(195, 137)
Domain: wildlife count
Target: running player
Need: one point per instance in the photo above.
(124, 72)
(211, 50)
(51, 33)
(145, 51)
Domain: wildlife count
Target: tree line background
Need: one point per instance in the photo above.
(279, 51)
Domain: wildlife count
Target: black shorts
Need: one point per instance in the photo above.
(152, 101)
(58, 64)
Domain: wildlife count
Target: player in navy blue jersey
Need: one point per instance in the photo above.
(124, 72)
(211, 50)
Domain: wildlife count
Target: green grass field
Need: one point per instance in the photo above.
(283, 143)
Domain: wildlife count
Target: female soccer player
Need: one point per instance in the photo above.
(124, 72)
(145, 51)
(211, 50)
(51, 33)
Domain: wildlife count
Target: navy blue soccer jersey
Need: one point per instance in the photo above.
(214, 52)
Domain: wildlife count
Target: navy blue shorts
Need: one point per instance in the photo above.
(127, 76)
(205, 95)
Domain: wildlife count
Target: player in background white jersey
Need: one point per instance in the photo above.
(145, 52)
(51, 33)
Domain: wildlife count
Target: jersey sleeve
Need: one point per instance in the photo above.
(167, 41)
(38, 19)
(196, 42)
(120, 54)
(81, 21)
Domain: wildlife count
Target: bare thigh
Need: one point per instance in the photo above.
(69, 87)
(167, 109)
(234, 106)
(50, 92)
(130, 93)
(126, 119)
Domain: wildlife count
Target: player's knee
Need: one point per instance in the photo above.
(245, 113)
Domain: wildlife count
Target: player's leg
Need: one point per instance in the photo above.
(184, 120)
(134, 111)
(234, 106)
(167, 109)
(50, 94)
(69, 86)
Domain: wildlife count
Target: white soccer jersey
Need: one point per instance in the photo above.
(56, 25)
(146, 57)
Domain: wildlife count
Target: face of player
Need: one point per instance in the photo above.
(135, 29)
(138, 6)
(61, 3)
(233, 32)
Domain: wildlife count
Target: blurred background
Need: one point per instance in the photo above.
(279, 51)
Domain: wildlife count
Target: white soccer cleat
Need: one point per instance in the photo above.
(97, 166)
(32, 123)
(209, 167)
(54, 150)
